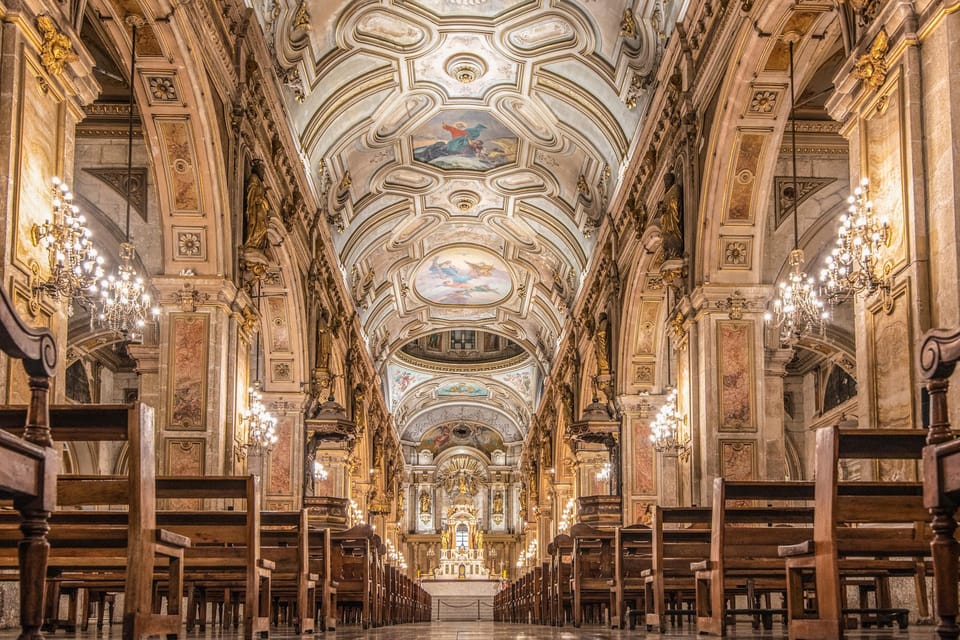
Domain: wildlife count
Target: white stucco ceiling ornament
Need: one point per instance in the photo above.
(455, 127)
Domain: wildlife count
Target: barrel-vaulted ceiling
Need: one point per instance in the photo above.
(466, 151)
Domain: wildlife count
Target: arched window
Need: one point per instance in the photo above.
(463, 536)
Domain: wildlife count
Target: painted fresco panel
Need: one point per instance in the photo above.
(742, 180)
(280, 482)
(738, 460)
(463, 388)
(892, 364)
(735, 355)
(465, 140)
(188, 370)
(643, 465)
(184, 458)
(463, 275)
(279, 328)
(180, 164)
(647, 331)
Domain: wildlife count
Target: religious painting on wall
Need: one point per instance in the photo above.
(188, 370)
(463, 275)
(465, 140)
(735, 347)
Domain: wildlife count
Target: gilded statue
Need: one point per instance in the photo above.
(479, 539)
(258, 209)
(424, 502)
(670, 211)
(498, 502)
(445, 539)
(600, 345)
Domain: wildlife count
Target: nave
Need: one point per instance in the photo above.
(500, 631)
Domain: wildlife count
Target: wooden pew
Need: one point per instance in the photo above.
(137, 548)
(893, 511)
(744, 547)
(937, 359)
(285, 541)
(226, 549)
(680, 537)
(591, 571)
(353, 570)
(321, 554)
(28, 462)
(632, 557)
(561, 598)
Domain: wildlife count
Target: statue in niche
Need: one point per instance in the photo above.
(600, 345)
(258, 210)
(498, 502)
(636, 208)
(670, 212)
(567, 400)
(424, 502)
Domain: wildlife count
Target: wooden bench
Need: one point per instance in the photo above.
(591, 571)
(561, 598)
(680, 537)
(353, 570)
(632, 557)
(28, 462)
(744, 547)
(840, 547)
(321, 555)
(285, 541)
(133, 550)
(226, 551)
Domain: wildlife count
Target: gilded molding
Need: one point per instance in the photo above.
(871, 67)
(56, 50)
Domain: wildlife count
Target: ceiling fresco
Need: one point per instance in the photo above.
(465, 150)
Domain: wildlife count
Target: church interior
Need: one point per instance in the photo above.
(636, 316)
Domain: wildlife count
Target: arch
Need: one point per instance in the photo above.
(742, 149)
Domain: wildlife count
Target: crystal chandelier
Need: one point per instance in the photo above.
(74, 263)
(855, 265)
(666, 430)
(261, 424)
(125, 302)
(797, 309)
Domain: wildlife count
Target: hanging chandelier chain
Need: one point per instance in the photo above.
(793, 147)
(125, 301)
(797, 310)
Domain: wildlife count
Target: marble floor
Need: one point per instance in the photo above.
(491, 631)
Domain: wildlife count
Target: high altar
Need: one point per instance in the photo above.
(461, 552)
